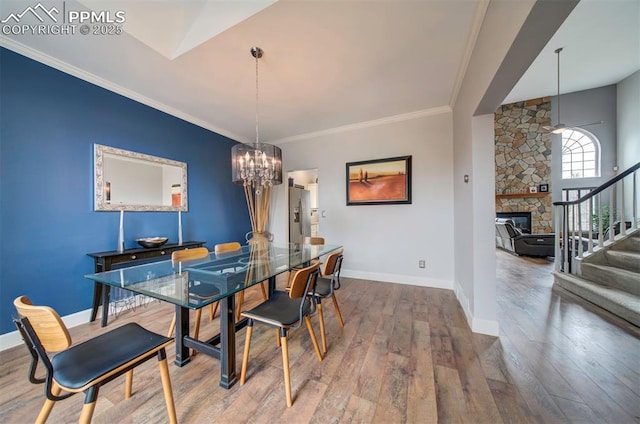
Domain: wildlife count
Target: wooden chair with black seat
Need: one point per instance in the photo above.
(325, 289)
(285, 311)
(87, 366)
(230, 248)
(178, 259)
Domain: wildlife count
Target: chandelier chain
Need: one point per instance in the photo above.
(257, 102)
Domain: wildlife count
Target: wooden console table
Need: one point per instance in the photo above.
(104, 261)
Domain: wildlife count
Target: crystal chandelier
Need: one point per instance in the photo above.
(257, 165)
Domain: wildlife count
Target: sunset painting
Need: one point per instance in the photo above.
(381, 181)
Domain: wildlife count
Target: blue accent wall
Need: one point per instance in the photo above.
(49, 122)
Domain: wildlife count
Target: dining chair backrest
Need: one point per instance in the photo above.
(46, 323)
(189, 254)
(313, 240)
(299, 286)
(331, 262)
(227, 247)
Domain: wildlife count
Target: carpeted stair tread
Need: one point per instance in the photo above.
(631, 243)
(618, 302)
(613, 277)
(624, 259)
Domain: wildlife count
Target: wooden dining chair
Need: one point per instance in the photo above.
(326, 287)
(87, 366)
(228, 248)
(178, 258)
(285, 311)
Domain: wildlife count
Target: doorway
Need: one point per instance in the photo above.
(303, 205)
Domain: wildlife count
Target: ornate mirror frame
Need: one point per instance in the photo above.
(102, 187)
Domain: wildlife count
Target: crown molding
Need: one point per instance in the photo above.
(107, 85)
(366, 124)
(62, 66)
(478, 18)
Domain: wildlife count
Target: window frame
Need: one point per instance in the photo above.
(568, 152)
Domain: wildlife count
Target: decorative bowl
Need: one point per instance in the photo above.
(152, 241)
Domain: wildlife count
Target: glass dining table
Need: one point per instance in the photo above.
(199, 283)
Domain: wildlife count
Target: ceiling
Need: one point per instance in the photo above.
(601, 46)
(326, 65)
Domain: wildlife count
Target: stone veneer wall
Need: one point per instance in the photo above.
(523, 160)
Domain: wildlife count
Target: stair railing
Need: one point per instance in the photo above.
(571, 239)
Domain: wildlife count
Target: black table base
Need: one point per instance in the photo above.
(214, 346)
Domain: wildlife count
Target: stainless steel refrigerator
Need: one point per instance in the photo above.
(299, 215)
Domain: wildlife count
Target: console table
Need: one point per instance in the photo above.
(104, 261)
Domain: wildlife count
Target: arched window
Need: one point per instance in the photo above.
(580, 154)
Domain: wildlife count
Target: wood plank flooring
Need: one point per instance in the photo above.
(405, 355)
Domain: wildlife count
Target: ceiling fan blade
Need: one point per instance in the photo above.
(584, 124)
(558, 128)
(555, 129)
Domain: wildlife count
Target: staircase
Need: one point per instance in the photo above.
(610, 278)
(601, 262)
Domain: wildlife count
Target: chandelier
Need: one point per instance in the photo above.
(257, 165)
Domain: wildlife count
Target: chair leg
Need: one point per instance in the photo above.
(335, 304)
(48, 404)
(166, 386)
(323, 334)
(245, 356)
(278, 337)
(285, 367)
(172, 326)
(90, 397)
(128, 384)
(214, 308)
(87, 412)
(264, 291)
(239, 306)
(313, 338)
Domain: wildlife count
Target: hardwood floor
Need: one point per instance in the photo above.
(406, 354)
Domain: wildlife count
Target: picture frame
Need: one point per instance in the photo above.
(543, 188)
(379, 181)
(533, 189)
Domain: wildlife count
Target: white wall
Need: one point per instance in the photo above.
(628, 105)
(475, 278)
(628, 121)
(384, 242)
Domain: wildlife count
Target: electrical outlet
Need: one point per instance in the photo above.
(421, 263)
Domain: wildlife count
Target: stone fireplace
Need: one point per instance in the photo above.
(523, 161)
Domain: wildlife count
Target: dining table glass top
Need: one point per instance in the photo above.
(197, 283)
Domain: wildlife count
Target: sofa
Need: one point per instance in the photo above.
(510, 238)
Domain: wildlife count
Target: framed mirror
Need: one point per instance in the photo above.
(131, 181)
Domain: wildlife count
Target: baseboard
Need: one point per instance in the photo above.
(485, 326)
(478, 325)
(398, 279)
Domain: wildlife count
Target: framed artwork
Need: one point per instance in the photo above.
(379, 181)
(543, 188)
(533, 189)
